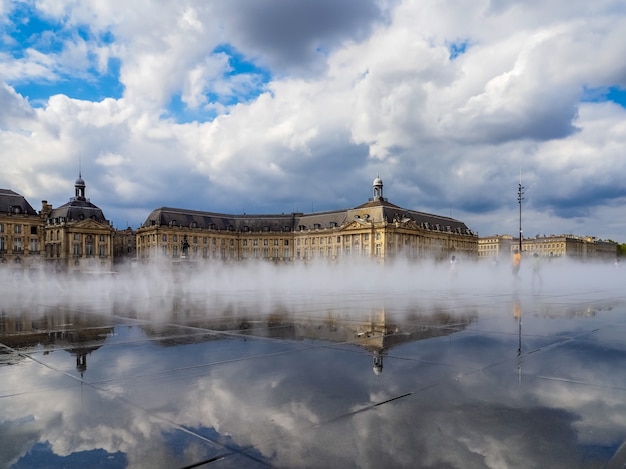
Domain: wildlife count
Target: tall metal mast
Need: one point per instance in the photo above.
(520, 193)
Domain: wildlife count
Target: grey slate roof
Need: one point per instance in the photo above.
(77, 210)
(11, 201)
(392, 212)
(167, 216)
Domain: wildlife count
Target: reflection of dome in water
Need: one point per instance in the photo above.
(378, 363)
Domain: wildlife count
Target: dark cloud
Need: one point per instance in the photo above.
(292, 36)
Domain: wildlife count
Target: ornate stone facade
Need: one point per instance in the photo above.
(376, 229)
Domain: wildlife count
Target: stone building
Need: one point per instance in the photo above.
(77, 236)
(21, 233)
(124, 245)
(500, 247)
(570, 246)
(377, 229)
(496, 248)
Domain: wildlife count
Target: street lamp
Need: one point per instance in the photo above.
(520, 193)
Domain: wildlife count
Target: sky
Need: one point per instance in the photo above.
(287, 106)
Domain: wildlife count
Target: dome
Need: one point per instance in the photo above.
(377, 182)
(79, 181)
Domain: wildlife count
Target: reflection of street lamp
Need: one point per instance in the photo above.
(517, 314)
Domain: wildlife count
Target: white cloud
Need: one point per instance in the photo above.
(374, 91)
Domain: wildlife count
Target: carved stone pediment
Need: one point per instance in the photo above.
(356, 225)
(90, 225)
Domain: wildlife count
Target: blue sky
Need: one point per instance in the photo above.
(290, 106)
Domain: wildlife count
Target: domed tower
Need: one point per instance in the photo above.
(80, 188)
(378, 188)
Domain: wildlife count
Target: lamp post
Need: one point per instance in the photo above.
(520, 193)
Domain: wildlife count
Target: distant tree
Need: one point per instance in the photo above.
(621, 250)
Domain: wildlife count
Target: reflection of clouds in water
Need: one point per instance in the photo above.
(284, 404)
(72, 420)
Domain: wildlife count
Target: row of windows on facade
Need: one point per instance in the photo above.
(19, 228)
(330, 252)
(355, 238)
(52, 236)
(318, 226)
(57, 220)
(17, 245)
(77, 250)
(265, 252)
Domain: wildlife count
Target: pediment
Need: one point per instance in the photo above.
(90, 225)
(355, 225)
(409, 224)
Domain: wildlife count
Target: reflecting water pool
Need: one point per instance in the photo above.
(426, 378)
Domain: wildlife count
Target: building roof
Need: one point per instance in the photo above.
(381, 211)
(77, 210)
(14, 203)
(168, 216)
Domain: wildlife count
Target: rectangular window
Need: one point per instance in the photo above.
(2, 244)
(1, 227)
(76, 237)
(76, 249)
(286, 242)
(102, 250)
(245, 242)
(34, 245)
(164, 238)
(265, 242)
(286, 253)
(17, 244)
(275, 242)
(17, 229)
(102, 239)
(175, 238)
(33, 230)
(204, 240)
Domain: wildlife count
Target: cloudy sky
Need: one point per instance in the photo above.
(280, 105)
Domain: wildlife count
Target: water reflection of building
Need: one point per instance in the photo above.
(374, 331)
(75, 333)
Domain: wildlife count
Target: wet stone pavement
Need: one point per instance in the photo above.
(422, 379)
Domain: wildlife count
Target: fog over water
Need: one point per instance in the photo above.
(152, 289)
(480, 388)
